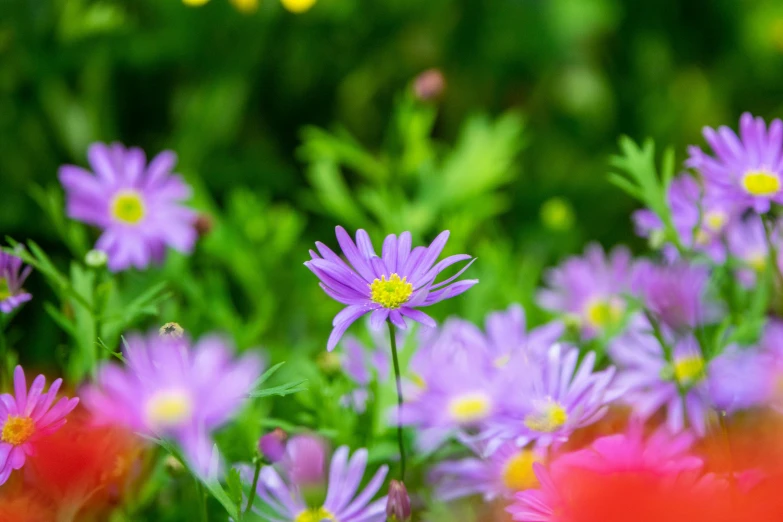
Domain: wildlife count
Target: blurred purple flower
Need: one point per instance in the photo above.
(507, 335)
(589, 289)
(27, 417)
(674, 293)
(344, 501)
(699, 216)
(273, 445)
(648, 382)
(171, 391)
(12, 277)
(138, 206)
(305, 460)
(746, 168)
(391, 286)
(740, 378)
(507, 471)
(748, 243)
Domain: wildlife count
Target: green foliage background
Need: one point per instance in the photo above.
(288, 125)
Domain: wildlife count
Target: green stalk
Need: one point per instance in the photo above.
(252, 496)
(393, 340)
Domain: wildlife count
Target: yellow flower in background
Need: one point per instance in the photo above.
(246, 6)
(194, 3)
(298, 6)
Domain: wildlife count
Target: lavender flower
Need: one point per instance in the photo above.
(398, 505)
(272, 445)
(344, 501)
(746, 168)
(305, 460)
(589, 289)
(741, 378)
(507, 335)
(169, 390)
(507, 471)
(392, 286)
(699, 216)
(648, 382)
(555, 396)
(674, 293)
(28, 417)
(12, 277)
(137, 206)
(748, 243)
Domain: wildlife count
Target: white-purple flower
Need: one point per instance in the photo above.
(138, 206)
(172, 391)
(391, 286)
(283, 499)
(747, 169)
(12, 277)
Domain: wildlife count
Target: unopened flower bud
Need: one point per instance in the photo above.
(329, 363)
(95, 259)
(398, 505)
(203, 224)
(171, 331)
(307, 460)
(429, 85)
(272, 445)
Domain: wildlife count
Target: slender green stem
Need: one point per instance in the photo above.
(252, 496)
(204, 515)
(393, 341)
(772, 250)
(6, 372)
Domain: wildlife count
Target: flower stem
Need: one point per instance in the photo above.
(6, 372)
(773, 253)
(393, 341)
(252, 496)
(203, 515)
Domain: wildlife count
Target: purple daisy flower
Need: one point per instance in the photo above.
(12, 277)
(648, 382)
(507, 335)
(171, 391)
(391, 286)
(674, 293)
(27, 417)
(345, 502)
(741, 378)
(507, 471)
(138, 206)
(699, 216)
(748, 168)
(589, 289)
(554, 397)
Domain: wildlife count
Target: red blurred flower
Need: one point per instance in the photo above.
(19, 505)
(85, 466)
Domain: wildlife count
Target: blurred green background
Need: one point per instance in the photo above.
(288, 124)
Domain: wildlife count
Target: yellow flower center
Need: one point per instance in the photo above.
(17, 430)
(518, 471)
(602, 313)
(297, 6)
(391, 293)
(760, 183)
(757, 261)
(5, 290)
(194, 2)
(128, 207)
(169, 408)
(547, 419)
(689, 369)
(470, 407)
(715, 220)
(246, 6)
(315, 515)
(502, 361)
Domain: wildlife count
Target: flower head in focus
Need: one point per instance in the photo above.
(747, 169)
(284, 501)
(391, 286)
(12, 277)
(138, 206)
(171, 390)
(27, 417)
(589, 289)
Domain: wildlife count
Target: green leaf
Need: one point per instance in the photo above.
(234, 483)
(281, 391)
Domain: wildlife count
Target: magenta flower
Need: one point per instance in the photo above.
(391, 286)
(171, 391)
(284, 501)
(674, 293)
(305, 460)
(28, 417)
(648, 382)
(138, 206)
(589, 289)
(746, 168)
(12, 277)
